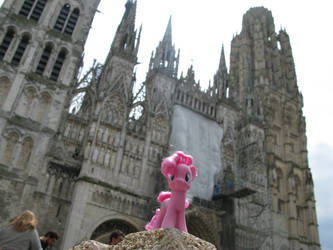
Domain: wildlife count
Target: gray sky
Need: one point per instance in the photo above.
(199, 29)
(201, 26)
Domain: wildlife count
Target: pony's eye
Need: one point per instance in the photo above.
(172, 177)
(187, 177)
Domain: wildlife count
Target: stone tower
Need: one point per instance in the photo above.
(41, 46)
(272, 154)
(118, 153)
(97, 168)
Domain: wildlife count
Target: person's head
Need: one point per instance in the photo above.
(51, 237)
(116, 236)
(24, 221)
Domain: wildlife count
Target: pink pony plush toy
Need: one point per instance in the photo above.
(180, 172)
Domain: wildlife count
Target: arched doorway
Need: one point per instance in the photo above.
(102, 232)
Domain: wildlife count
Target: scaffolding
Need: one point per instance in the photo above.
(234, 235)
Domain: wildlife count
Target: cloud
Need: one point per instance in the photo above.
(326, 232)
(321, 162)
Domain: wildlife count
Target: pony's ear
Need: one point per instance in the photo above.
(193, 171)
(168, 166)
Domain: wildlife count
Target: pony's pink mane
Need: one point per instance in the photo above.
(184, 159)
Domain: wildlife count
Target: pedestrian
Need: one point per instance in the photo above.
(116, 236)
(49, 239)
(20, 233)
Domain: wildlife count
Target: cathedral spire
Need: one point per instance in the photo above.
(126, 41)
(222, 65)
(124, 47)
(165, 59)
(221, 77)
(167, 39)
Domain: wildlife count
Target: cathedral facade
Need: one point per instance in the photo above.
(87, 172)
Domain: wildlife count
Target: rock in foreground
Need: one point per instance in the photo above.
(91, 245)
(170, 238)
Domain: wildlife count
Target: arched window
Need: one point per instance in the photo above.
(26, 7)
(37, 12)
(211, 110)
(32, 9)
(4, 89)
(26, 102)
(298, 187)
(25, 152)
(20, 49)
(279, 183)
(43, 107)
(72, 22)
(281, 206)
(44, 59)
(61, 20)
(12, 140)
(58, 65)
(6, 42)
(124, 44)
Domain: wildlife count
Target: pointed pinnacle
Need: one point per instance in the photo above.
(222, 59)
(168, 33)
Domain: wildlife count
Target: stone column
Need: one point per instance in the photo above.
(144, 183)
(292, 214)
(14, 92)
(312, 224)
(74, 231)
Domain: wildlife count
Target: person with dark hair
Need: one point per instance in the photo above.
(20, 233)
(116, 236)
(49, 239)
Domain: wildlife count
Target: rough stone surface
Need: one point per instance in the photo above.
(91, 245)
(170, 238)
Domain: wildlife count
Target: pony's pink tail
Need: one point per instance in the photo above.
(166, 195)
(163, 196)
(150, 225)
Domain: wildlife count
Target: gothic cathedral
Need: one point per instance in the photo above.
(97, 168)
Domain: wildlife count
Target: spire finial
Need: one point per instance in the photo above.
(165, 56)
(126, 39)
(222, 59)
(168, 33)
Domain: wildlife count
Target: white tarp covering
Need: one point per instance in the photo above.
(200, 137)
